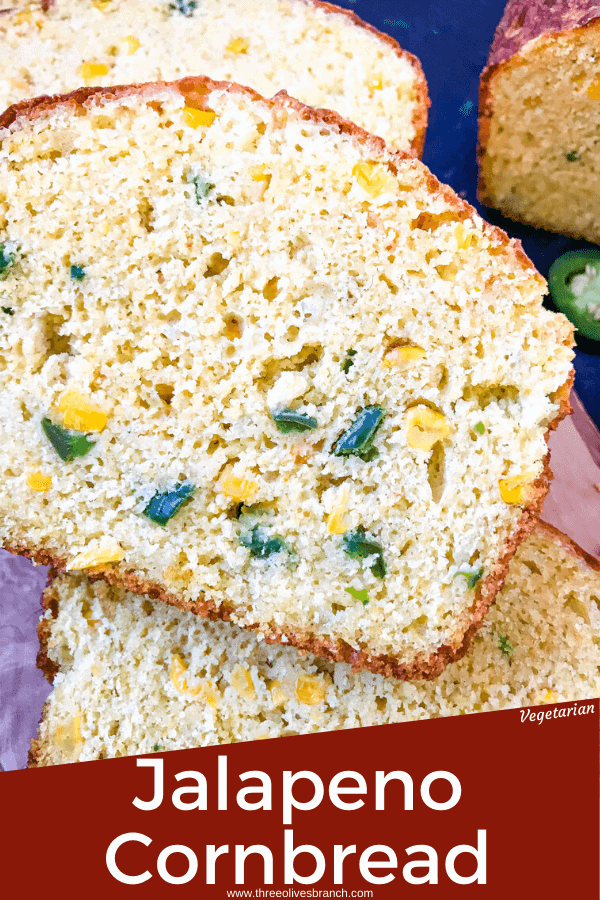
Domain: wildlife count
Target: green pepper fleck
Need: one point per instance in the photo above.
(156, 748)
(8, 255)
(68, 444)
(358, 546)
(185, 7)
(288, 421)
(470, 577)
(348, 362)
(574, 282)
(480, 428)
(201, 187)
(260, 544)
(506, 647)
(358, 439)
(8, 310)
(77, 273)
(358, 595)
(165, 504)
(572, 156)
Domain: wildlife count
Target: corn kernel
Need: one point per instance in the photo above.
(80, 414)
(23, 17)
(236, 487)
(425, 427)
(549, 697)
(310, 689)
(376, 83)
(197, 118)
(278, 695)
(39, 482)
(132, 44)
(206, 690)
(374, 178)
(68, 736)
(177, 671)
(91, 71)
(593, 90)
(109, 552)
(464, 240)
(259, 173)
(101, 4)
(396, 356)
(336, 520)
(237, 45)
(516, 488)
(241, 680)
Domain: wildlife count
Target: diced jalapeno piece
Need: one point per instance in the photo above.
(8, 255)
(165, 504)
(574, 281)
(67, 443)
(572, 156)
(261, 544)
(288, 421)
(506, 647)
(358, 546)
(358, 595)
(349, 361)
(358, 439)
(480, 428)
(8, 310)
(470, 577)
(201, 187)
(185, 7)
(77, 273)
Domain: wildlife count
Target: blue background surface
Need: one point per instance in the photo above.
(452, 39)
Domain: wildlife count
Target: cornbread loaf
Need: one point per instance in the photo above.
(260, 366)
(540, 114)
(136, 676)
(324, 55)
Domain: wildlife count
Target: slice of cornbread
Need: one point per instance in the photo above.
(540, 115)
(258, 365)
(323, 55)
(134, 676)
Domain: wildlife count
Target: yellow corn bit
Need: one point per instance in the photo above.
(278, 695)
(310, 689)
(593, 90)
(376, 83)
(448, 272)
(68, 736)
(101, 4)
(197, 118)
(23, 16)
(259, 173)
(91, 71)
(464, 239)
(516, 488)
(235, 487)
(132, 44)
(206, 691)
(108, 552)
(425, 427)
(39, 482)
(336, 520)
(549, 697)
(80, 414)
(396, 356)
(374, 178)
(237, 45)
(241, 680)
(177, 670)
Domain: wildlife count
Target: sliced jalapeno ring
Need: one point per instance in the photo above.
(574, 281)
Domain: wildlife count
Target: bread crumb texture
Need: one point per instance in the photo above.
(137, 676)
(322, 57)
(200, 359)
(539, 152)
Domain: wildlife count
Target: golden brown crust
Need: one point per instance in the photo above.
(197, 90)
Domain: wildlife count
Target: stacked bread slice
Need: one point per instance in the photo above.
(135, 676)
(325, 56)
(262, 367)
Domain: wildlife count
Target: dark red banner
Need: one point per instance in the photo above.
(507, 801)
